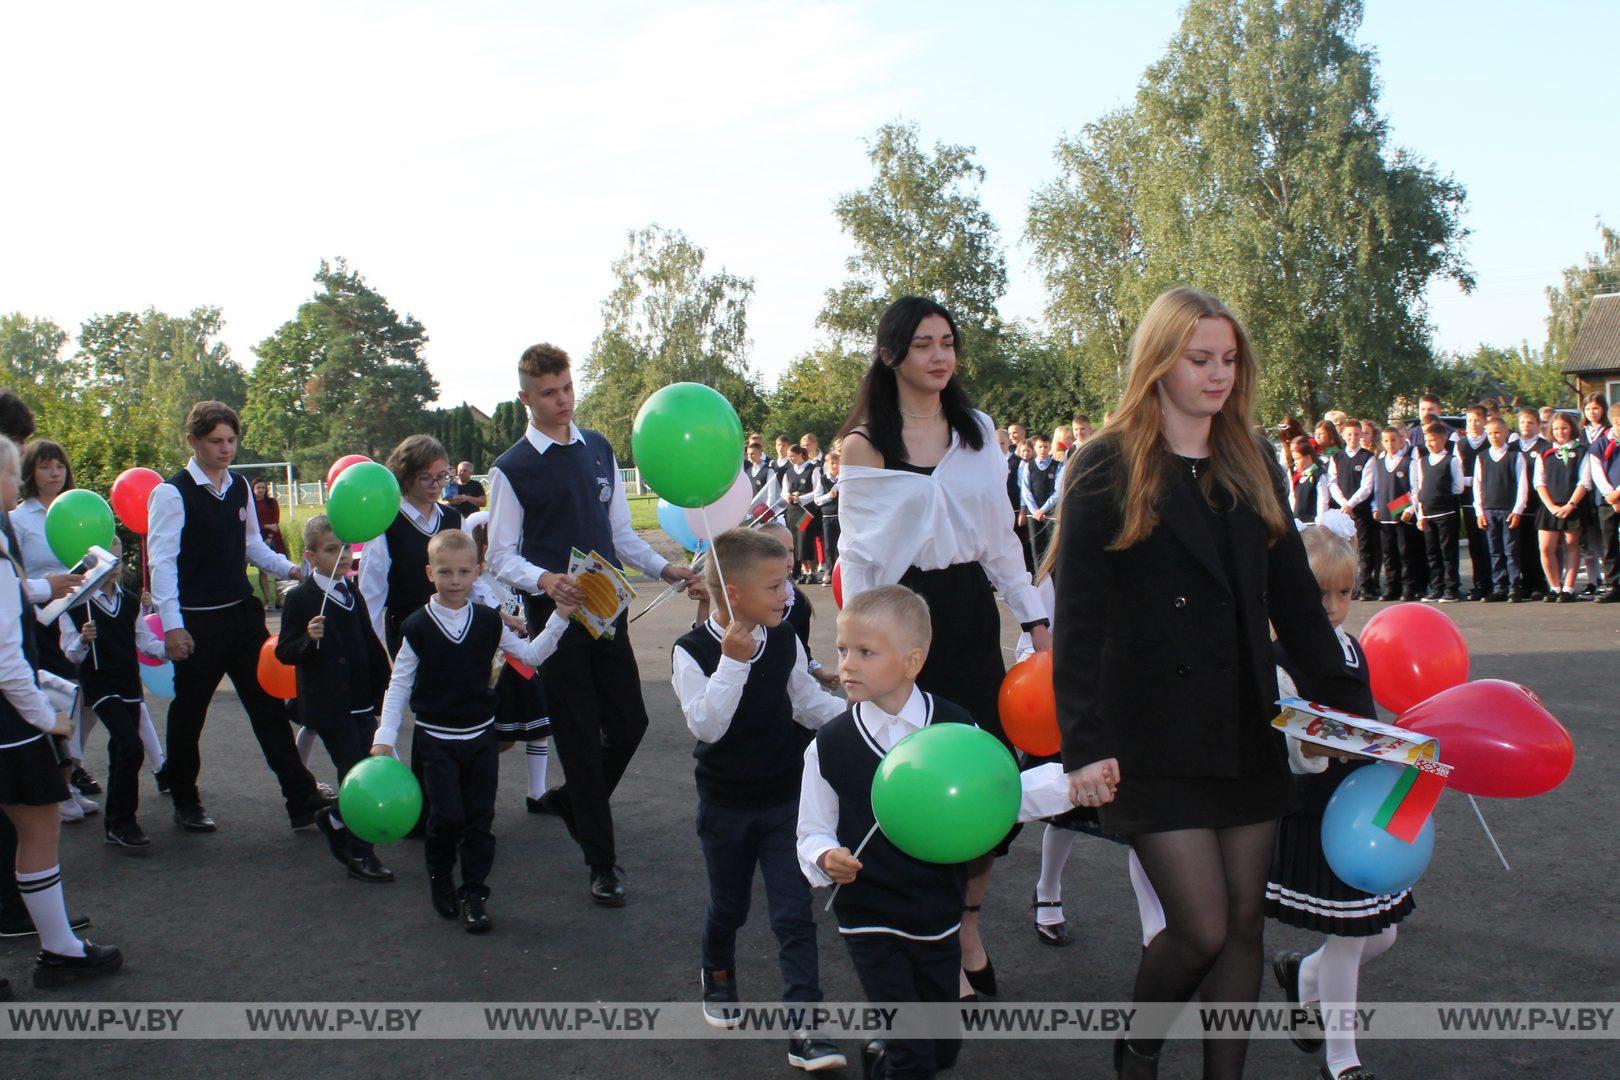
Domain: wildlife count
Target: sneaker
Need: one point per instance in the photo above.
(1432, 597)
(82, 780)
(1566, 597)
(88, 806)
(809, 1053)
(1451, 596)
(71, 810)
(130, 835)
(720, 999)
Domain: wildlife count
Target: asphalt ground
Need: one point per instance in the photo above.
(256, 912)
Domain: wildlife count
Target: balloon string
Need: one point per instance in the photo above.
(1488, 836)
(854, 855)
(719, 570)
(325, 595)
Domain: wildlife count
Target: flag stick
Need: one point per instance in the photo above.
(854, 855)
(1488, 836)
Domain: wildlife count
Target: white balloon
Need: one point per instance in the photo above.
(726, 512)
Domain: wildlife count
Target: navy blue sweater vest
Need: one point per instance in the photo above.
(1349, 468)
(1498, 486)
(213, 543)
(1436, 497)
(111, 668)
(408, 584)
(1390, 484)
(1562, 477)
(1042, 481)
(452, 693)
(565, 494)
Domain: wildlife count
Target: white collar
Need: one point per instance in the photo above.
(1506, 449)
(326, 585)
(1475, 444)
(201, 477)
(758, 634)
(543, 442)
(913, 714)
(1527, 443)
(1433, 457)
(31, 506)
(453, 621)
(111, 607)
(1392, 458)
(428, 523)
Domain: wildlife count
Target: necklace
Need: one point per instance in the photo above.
(1191, 463)
(923, 416)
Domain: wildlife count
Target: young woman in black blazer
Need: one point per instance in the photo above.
(1177, 558)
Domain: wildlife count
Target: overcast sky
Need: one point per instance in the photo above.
(481, 163)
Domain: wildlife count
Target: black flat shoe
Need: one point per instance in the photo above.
(874, 1059)
(443, 891)
(1050, 933)
(128, 836)
(474, 916)
(1354, 1072)
(537, 806)
(337, 840)
(368, 869)
(983, 980)
(1285, 966)
(86, 783)
(720, 1009)
(1131, 1063)
(607, 890)
(194, 818)
(161, 778)
(52, 970)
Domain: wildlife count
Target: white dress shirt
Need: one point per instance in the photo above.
(16, 677)
(1522, 497)
(1600, 478)
(75, 648)
(166, 517)
(710, 701)
(37, 557)
(1027, 497)
(454, 622)
(506, 526)
(892, 520)
(1430, 461)
(1046, 788)
(1477, 445)
(376, 561)
(1362, 492)
(1583, 476)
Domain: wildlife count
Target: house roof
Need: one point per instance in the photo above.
(1597, 345)
(479, 415)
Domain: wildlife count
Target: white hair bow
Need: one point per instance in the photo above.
(1338, 523)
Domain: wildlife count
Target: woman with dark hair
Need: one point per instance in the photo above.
(925, 504)
(268, 513)
(1177, 558)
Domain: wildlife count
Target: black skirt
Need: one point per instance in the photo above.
(520, 708)
(1304, 891)
(31, 774)
(1546, 522)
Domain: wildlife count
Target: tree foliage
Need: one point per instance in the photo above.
(1567, 302)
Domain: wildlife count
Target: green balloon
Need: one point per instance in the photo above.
(947, 793)
(380, 800)
(688, 444)
(77, 520)
(363, 502)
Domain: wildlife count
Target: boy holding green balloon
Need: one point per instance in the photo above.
(899, 914)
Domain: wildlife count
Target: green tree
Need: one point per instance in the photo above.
(509, 421)
(1523, 375)
(1567, 302)
(814, 394)
(666, 321)
(31, 352)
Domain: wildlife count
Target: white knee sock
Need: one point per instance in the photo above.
(306, 744)
(150, 742)
(42, 894)
(1148, 908)
(1056, 844)
(81, 733)
(1334, 979)
(537, 754)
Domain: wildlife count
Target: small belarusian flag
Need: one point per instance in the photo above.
(1412, 799)
(1399, 502)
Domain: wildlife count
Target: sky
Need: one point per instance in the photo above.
(482, 162)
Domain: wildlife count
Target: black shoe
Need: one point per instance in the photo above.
(1354, 1072)
(1451, 596)
(161, 778)
(1552, 598)
(1389, 597)
(1610, 597)
(606, 887)
(1410, 598)
(984, 979)
(719, 998)
(811, 1054)
(337, 839)
(443, 889)
(537, 806)
(84, 781)
(1563, 598)
(1132, 1063)
(129, 836)
(194, 818)
(473, 914)
(1285, 966)
(22, 926)
(1050, 933)
(1516, 597)
(874, 1060)
(558, 806)
(51, 970)
(303, 819)
(368, 869)
(1478, 594)
(1537, 594)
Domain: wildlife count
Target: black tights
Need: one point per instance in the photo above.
(1212, 883)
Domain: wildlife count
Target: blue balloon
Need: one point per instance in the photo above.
(1361, 853)
(159, 680)
(672, 519)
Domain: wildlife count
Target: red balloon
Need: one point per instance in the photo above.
(1413, 652)
(1498, 739)
(277, 678)
(130, 493)
(837, 580)
(1028, 706)
(343, 463)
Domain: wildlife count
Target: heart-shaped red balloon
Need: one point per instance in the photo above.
(1497, 738)
(1413, 653)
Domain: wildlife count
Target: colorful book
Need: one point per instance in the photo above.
(1412, 799)
(1350, 734)
(607, 592)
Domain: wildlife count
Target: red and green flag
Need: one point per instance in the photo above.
(1399, 502)
(1412, 799)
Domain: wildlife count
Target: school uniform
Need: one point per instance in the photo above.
(341, 678)
(826, 500)
(1349, 487)
(751, 719)
(442, 671)
(520, 707)
(31, 771)
(1500, 490)
(38, 559)
(1305, 491)
(200, 538)
(762, 479)
(1038, 491)
(802, 480)
(547, 498)
(1438, 481)
(1535, 579)
(393, 573)
(1302, 889)
(1604, 459)
(110, 678)
(1563, 471)
(1405, 569)
(1479, 552)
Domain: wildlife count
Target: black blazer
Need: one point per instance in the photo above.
(326, 676)
(1146, 664)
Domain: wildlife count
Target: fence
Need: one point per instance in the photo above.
(314, 493)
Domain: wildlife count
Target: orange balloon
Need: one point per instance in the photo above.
(1028, 706)
(278, 679)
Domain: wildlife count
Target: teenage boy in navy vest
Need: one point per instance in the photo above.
(558, 489)
(899, 915)
(742, 683)
(203, 532)
(1469, 446)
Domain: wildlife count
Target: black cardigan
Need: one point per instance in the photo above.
(1145, 661)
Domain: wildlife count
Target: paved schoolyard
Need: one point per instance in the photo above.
(257, 912)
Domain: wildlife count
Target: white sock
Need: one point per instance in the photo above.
(1056, 844)
(537, 754)
(306, 744)
(42, 894)
(1148, 908)
(149, 740)
(1338, 980)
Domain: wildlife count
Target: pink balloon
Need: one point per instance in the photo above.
(341, 464)
(726, 512)
(156, 625)
(1497, 737)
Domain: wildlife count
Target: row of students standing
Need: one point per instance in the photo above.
(800, 488)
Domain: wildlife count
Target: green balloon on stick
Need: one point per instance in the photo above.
(76, 521)
(380, 800)
(363, 502)
(688, 444)
(947, 793)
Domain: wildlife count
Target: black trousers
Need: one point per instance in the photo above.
(462, 775)
(125, 753)
(734, 841)
(893, 968)
(597, 721)
(1479, 552)
(1531, 575)
(1440, 538)
(348, 742)
(11, 901)
(227, 642)
(1367, 549)
(1609, 527)
(392, 639)
(1405, 567)
(829, 539)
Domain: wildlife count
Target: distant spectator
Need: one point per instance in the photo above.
(269, 514)
(464, 493)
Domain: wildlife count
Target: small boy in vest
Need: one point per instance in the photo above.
(898, 915)
(1501, 494)
(1437, 477)
(742, 679)
(443, 671)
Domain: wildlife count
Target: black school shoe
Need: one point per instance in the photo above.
(52, 970)
(1611, 596)
(875, 1060)
(128, 835)
(21, 926)
(161, 778)
(1285, 966)
(442, 888)
(337, 840)
(811, 1054)
(82, 780)
(369, 868)
(473, 913)
(194, 818)
(1354, 1072)
(607, 886)
(1496, 598)
(720, 999)
(303, 819)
